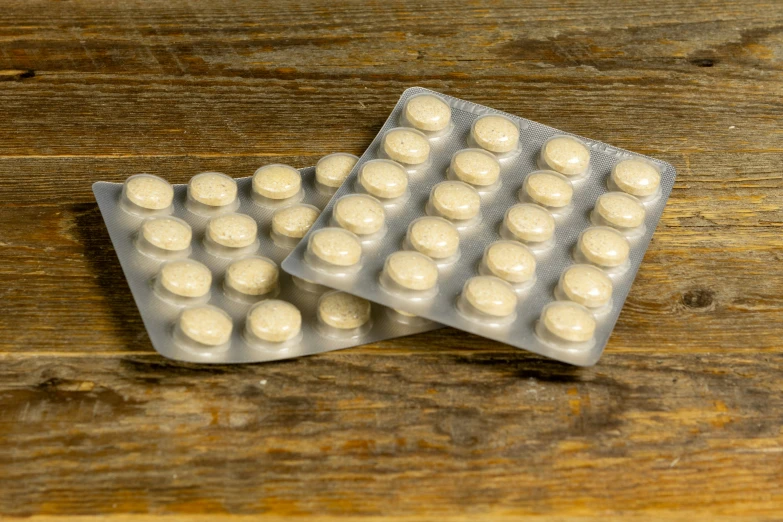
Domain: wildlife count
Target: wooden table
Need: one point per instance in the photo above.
(681, 419)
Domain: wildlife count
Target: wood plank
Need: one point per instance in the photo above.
(627, 79)
(100, 116)
(501, 433)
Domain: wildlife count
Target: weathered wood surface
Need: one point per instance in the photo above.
(681, 420)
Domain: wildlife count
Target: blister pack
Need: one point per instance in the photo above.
(202, 261)
(492, 224)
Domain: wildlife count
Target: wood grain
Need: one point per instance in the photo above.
(682, 419)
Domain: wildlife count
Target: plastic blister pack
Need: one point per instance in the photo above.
(539, 236)
(202, 261)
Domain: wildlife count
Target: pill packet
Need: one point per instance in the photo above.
(176, 247)
(526, 256)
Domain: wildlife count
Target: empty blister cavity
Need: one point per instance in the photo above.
(252, 278)
(586, 285)
(183, 282)
(530, 224)
(620, 211)
(204, 330)
(511, 262)
(456, 201)
(361, 214)
(434, 237)
(497, 134)
(408, 147)
(605, 248)
(231, 235)
(565, 155)
(637, 177)
(343, 316)
(273, 325)
(488, 300)
(410, 274)
(277, 185)
(147, 195)
(476, 167)
(211, 194)
(566, 325)
(331, 171)
(429, 114)
(164, 237)
(385, 180)
(290, 224)
(550, 190)
(334, 251)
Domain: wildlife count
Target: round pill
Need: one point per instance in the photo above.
(530, 223)
(206, 325)
(636, 177)
(566, 155)
(476, 167)
(336, 246)
(434, 237)
(343, 311)
(496, 133)
(274, 321)
(620, 209)
(213, 189)
(604, 246)
(277, 181)
(549, 189)
(167, 233)
(510, 261)
(384, 179)
(490, 295)
(360, 214)
(586, 285)
(253, 276)
(148, 191)
(455, 200)
(332, 170)
(232, 230)
(294, 221)
(428, 113)
(569, 321)
(412, 270)
(406, 146)
(186, 278)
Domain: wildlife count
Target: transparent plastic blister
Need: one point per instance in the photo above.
(212, 251)
(567, 156)
(164, 238)
(385, 180)
(211, 194)
(506, 301)
(428, 114)
(408, 147)
(331, 171)
(146, 195)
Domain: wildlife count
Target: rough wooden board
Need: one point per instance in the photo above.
(428, 431)
(680, 420)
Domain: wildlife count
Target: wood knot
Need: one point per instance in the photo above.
(703, 62)
(698, 299)
(15, 75)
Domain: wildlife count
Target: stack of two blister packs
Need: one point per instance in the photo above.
(455, 215)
